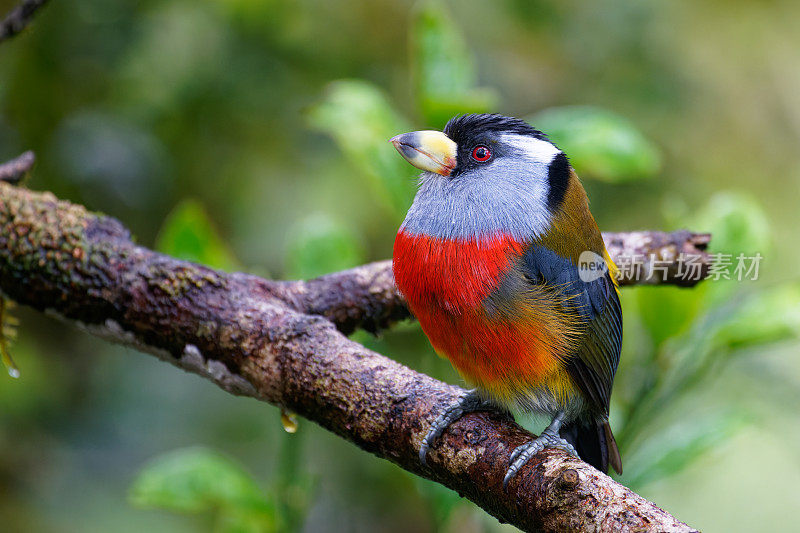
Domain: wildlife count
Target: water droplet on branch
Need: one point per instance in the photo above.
(289, 421)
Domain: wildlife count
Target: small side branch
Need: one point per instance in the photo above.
(272, 341)
(18, 18)
(15, 170)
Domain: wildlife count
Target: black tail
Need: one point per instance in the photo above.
(594, 443)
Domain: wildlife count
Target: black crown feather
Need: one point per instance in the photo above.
(473, 125)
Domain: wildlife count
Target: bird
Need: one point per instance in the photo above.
(503, 265)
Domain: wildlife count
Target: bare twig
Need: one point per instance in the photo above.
(655, 258)
(256, 337)
(15, 170)
(18, 18)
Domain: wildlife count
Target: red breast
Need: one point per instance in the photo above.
(455, 274)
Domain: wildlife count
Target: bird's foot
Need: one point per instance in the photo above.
(548, 439)
(468, 403)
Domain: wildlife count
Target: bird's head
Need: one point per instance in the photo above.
(483, 175)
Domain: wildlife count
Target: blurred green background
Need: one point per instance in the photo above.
(251, 135)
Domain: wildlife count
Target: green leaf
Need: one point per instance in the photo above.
(739, 226)
(245, 521)
(443, 68)
(320, 245)
(194, 480)
(359, 118)
(667, 311)
(688, 360)
(679, 446)
(767, 316)
(600, 144)
(737, 222)
(189, 234)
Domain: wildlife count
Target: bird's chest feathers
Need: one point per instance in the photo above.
(453, 274)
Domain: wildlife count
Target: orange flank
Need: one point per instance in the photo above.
(505, 352)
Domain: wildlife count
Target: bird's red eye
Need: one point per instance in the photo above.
(481, 154)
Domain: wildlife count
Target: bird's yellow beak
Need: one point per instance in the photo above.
(427, 150)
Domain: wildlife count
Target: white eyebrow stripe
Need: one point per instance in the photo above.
(532, 148)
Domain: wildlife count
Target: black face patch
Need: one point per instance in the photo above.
(469, 131)
(558, 178)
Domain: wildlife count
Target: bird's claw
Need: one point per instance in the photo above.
(522, 454)
(469, 402)
(548, 439)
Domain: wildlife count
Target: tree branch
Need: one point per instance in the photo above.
(271, 341)
(18, 18)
